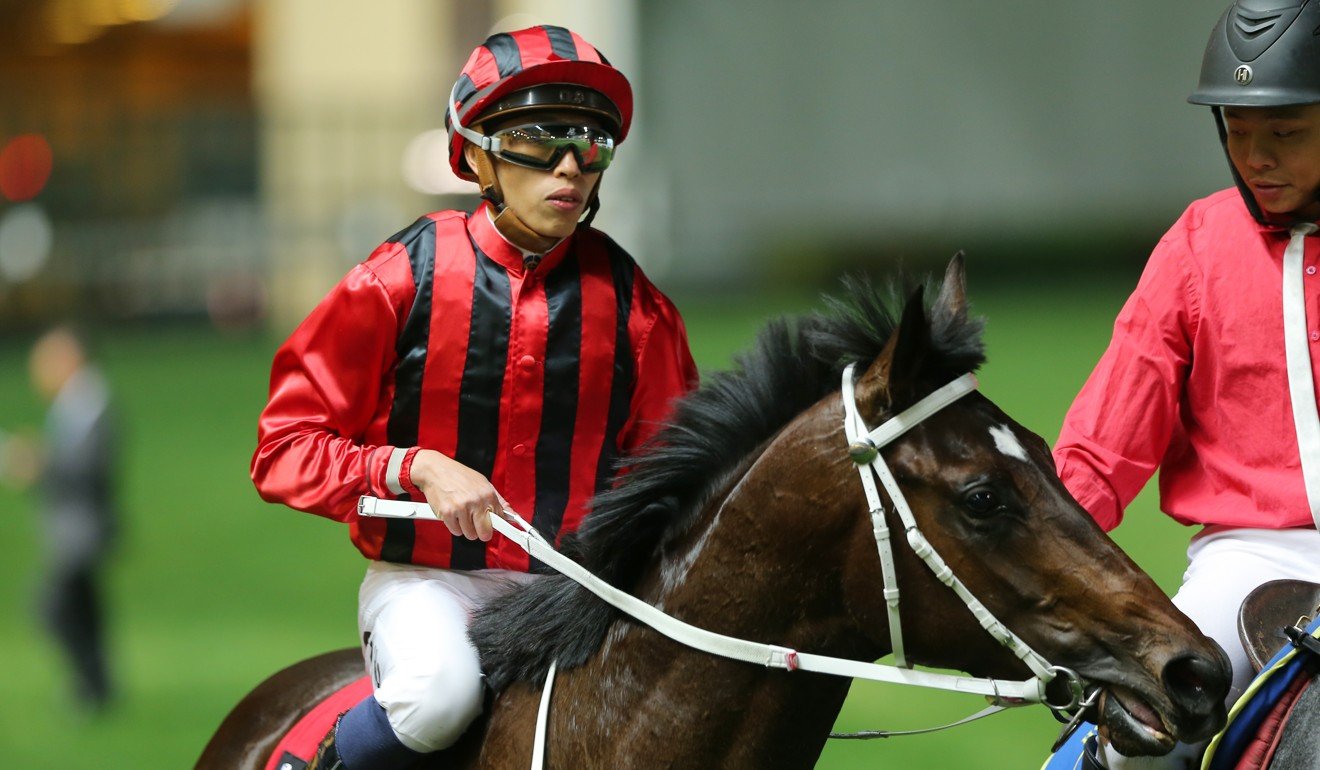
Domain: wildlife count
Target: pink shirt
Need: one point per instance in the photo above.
(1195, 381)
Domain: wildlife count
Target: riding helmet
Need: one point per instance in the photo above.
(1262, 54)
(537, 68)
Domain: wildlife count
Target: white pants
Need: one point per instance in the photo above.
(1223, 566)
(413, 623)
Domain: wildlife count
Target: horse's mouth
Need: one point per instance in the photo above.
(1132, 725)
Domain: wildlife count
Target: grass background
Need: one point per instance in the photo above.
(211, 590)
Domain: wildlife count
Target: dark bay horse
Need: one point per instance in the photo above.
(747, 518)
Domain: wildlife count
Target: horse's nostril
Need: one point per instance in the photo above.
(1196, 683)
(1185, 676)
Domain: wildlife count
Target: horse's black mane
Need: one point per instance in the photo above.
(794, 363)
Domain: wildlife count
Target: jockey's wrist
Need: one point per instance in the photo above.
(405, 474)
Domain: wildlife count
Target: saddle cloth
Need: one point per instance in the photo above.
(1256, 721)
(296, 748)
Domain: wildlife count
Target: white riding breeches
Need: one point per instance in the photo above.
(1223, 566)
(413, 623)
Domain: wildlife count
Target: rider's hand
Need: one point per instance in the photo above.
(462, 498)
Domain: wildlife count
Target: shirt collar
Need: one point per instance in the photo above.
(493, 244)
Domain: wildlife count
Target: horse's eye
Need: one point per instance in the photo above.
(981, 502)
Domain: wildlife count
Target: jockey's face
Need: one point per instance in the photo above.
(1276, 151)
(550, 202)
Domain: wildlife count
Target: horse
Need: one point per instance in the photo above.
(745, 517)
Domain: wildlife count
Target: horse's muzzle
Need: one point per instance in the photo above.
(1197, 687)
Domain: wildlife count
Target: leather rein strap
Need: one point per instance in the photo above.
(767, 655)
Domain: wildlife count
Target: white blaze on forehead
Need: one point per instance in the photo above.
(1007, 443)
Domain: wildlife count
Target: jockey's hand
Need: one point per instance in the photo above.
(462, 498)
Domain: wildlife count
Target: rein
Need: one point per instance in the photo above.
(864, 449)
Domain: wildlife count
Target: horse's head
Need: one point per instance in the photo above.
(984, 492)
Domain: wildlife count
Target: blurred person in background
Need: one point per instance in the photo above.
(73, 467)
(1211, 372)
(503, 360)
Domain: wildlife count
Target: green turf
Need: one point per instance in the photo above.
(211, 589)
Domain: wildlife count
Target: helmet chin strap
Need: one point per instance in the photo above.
(1247, 196)
(518, 233)
(593, 204)
(506, 219)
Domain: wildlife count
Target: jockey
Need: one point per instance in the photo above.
(1211, 373)
(505, 359)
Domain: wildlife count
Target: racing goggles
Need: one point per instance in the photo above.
(542, 146)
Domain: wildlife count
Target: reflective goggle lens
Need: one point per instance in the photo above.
(542, 147)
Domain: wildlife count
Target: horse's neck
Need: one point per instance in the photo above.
(737, 574)
(766, 558)
(732, 574)
(761, 562)
(650, 703)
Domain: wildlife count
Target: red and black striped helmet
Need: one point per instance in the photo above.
(500, 72)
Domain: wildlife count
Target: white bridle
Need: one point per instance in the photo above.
(864, 446)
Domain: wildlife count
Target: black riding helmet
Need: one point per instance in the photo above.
(1262, 53)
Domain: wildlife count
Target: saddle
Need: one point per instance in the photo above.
(1269, 609)
(1278, 624)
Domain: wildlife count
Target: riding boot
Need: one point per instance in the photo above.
(364, 740)
(327, 753)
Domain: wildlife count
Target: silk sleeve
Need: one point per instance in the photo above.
(328, 385)
(1120, 426)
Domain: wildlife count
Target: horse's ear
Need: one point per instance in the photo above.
(892, 377)
(953, 292)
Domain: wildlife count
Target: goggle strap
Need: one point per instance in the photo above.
(487, 143)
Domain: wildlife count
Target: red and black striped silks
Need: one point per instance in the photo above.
(540, 379)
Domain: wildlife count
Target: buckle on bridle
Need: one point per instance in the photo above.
(1080, 701)
(863, 451)
(1075, 689)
